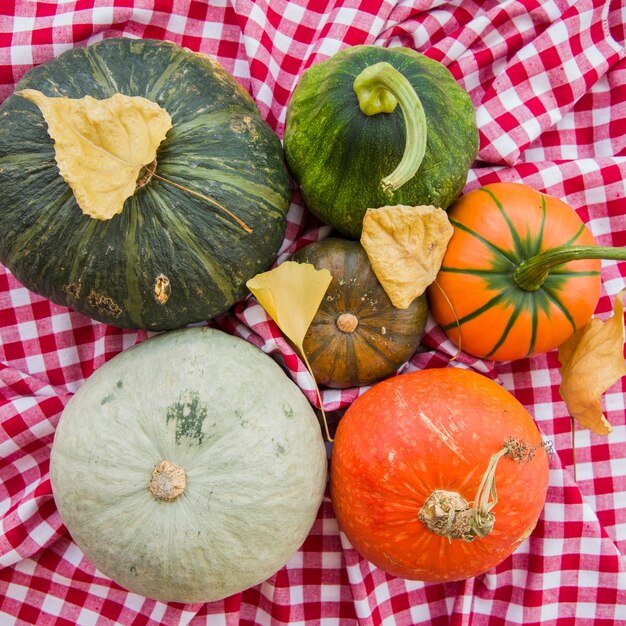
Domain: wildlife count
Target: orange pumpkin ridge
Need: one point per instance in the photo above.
(521, 273)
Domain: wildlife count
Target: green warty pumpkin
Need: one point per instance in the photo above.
(375, 126)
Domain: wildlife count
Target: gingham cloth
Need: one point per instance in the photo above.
(548, 79)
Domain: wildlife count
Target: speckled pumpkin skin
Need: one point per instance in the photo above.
(433, 430)
(246, 437)
(166, 240)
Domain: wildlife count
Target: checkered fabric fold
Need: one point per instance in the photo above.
(548, 80)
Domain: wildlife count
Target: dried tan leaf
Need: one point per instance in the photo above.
(101, 146)
(405, 246)
(592, 360)
(291, 294)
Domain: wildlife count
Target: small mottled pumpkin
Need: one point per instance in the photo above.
(357, 336)
(189, 467)
(170, 257)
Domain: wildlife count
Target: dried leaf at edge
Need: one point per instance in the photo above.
(405, 246)
(291, 294)
(592, 360)
(101, 146)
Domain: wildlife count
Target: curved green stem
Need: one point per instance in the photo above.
(379, 88)
(530, 274)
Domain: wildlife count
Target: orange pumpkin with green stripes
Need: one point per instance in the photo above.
(520, 275)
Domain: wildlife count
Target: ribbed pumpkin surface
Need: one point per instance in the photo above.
(496, 229)
(423, 432)
(357, 336)
(244, 440)
(114, 270)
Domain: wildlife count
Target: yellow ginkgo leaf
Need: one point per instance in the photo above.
(291, 294)
(592, 360)
(405, 246)
(102, 146)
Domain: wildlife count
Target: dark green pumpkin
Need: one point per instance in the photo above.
(339, 155)
(357, 336)
(170, 258)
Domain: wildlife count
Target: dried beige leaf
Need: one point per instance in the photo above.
(592, 360)
(405, 246)
(101, 146)
(291, 294)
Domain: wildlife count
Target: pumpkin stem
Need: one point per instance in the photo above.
(448, 514)
(145, 175)
(168, 481)
(151, 172)
(379, 88)
(531, 273)
(347, 323)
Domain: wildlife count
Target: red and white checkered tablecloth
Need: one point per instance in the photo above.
(548, 79)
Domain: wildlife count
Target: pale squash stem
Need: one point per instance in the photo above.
(199, 195)
(379, 88)
(486, 496)
(487, 488)
(530, 274)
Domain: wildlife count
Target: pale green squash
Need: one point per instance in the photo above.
(239, 457)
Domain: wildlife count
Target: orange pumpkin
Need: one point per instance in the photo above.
(520, 275)
(437, 475)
